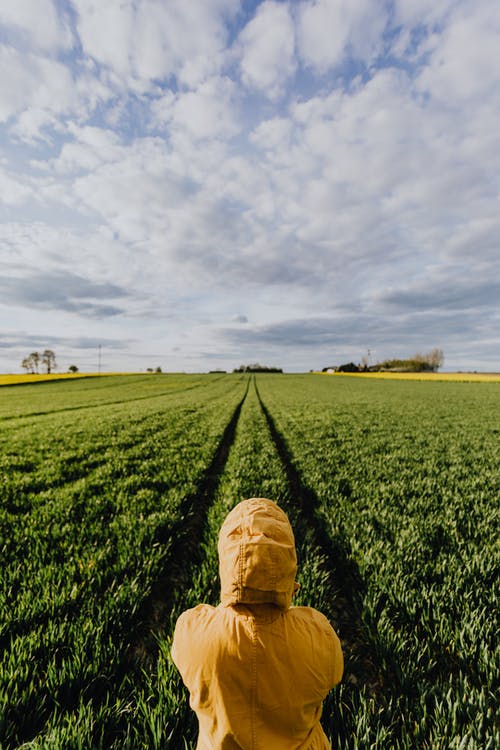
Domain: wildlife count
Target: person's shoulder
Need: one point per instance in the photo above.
(309, 617)
(191, 633)
(198, 616)
(316, 629)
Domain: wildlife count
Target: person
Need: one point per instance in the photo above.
(257, 669)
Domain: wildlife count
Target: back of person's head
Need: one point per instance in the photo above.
(257, 558)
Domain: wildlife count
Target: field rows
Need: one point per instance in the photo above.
(407, 475)
(112, 500)
(86, 527)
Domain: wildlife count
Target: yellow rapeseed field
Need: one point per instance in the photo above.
(23, 378)
(457, 377)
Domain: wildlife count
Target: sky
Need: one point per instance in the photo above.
(197, 185)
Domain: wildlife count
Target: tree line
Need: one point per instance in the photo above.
(429, 362)
(257, 368)
(34, 361)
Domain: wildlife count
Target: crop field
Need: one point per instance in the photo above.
(112, 493)
(451, 377)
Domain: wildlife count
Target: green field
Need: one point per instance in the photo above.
(112, 493)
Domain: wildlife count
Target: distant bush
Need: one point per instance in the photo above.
(349, 367)
(429, 362)
(257, 368)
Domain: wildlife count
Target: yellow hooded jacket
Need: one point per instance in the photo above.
(257, 669)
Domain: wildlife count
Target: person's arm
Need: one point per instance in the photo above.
(338, 660)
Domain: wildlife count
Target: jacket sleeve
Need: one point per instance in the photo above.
(329, 655)
(177, 643)
(189, 643)
(337, 659)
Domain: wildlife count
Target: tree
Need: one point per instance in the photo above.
(27, 363)
(436, 358)
(73, 369)
(348, 367)
(30, 363)
(429, 362)
(35, 359)
(257, 368)
(49, 360)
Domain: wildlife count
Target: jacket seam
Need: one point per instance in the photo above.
(241, 561)
(253, 690)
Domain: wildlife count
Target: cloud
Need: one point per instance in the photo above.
(422, 12)
(348, 335)
(35, 22)
(460, 70)
(273, 135)
(330, 30)
(286, 333)
(327, 167)
(137, 193)
(435, 294)
(34, 124)
(12, 191)
(62, 291)
(150, 40)
(209, 111)
(39, 249)
(31, 81)
(21, 340)
(90, 148)
(267, 49)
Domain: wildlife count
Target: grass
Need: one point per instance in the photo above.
(113, 490)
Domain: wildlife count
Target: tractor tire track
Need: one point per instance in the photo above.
(140, 645)
(185, 553)
(343, 576)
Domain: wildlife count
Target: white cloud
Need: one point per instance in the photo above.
(90, 148)
(31, 123)
(186, 39)
(38, 21)
(267, 49)
(272, 135)
(462, 65)
(105, 30)
(30, 81)
(150, 40)
(153, 170)
(13, 192)
(427, 12)
(135, 192)
(207, 112)
(330, 29)
(40, 249)
(37, 91)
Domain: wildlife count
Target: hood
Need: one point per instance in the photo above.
(257, 558)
